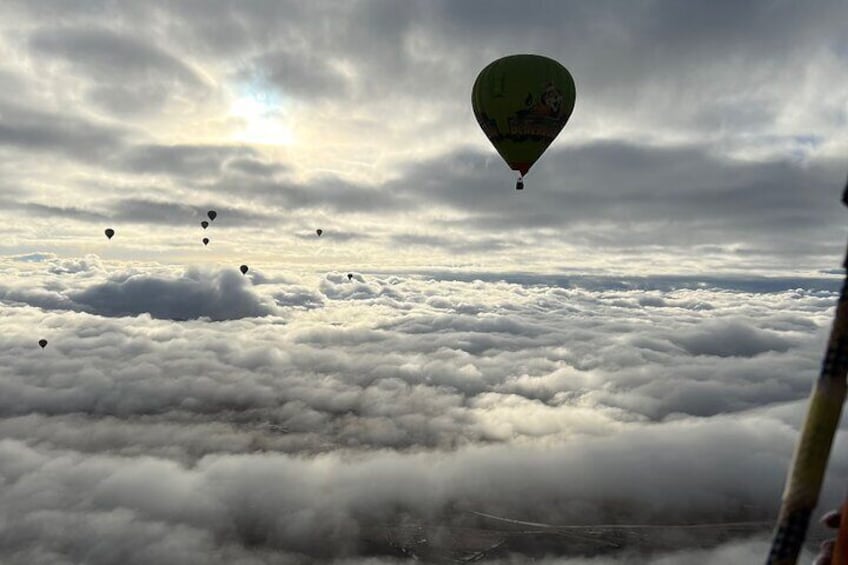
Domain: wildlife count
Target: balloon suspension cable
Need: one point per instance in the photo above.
(806, 474)
(519, 184)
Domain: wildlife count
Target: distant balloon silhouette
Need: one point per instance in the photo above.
(212, 215)
(42, 343)
(243, 269)
(204, 224)
(319, 232)
(350, 276)
(205, 241)
(109, 232)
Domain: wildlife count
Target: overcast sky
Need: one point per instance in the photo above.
(631, 339)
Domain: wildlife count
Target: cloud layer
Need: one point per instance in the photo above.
(337, 424)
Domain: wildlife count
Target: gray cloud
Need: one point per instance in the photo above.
(219, 296)
(454, 245)
(646, 190)
(37, 210)
(90, 264)
(338, 286)
(299, 298)
(254, 167)
(77, 138)
(235, 504)
(301, 73)
(328, 191)
(728, 338)
(129, 74)
(738, 282)
(181, 213)
(107, 54)
(183, 160)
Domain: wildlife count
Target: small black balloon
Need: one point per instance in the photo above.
(205, 241)
(204, 224)
(350, 276)
(319, 232)
(109, 232)
(243, 269)
(42, 343)
(212, 214)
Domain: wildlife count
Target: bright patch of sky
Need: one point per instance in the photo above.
(264, 116)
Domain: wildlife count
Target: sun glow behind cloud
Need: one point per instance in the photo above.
(263, 118)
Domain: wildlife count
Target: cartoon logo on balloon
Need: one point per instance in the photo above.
(541, 118)
(550, 103)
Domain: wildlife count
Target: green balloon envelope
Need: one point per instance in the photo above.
(522, 102)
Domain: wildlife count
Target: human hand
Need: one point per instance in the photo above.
(825, 556)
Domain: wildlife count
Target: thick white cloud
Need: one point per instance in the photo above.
(370, 409)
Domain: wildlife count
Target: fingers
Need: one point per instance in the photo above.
(825, 555)
(831, 519)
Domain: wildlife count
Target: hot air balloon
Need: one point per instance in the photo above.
(243, 269)
(350, 276)
(42, 343)
(109, 232)
(319, 232)
(204, 224)
(522, 102)
(205, 241)
(212, 215)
